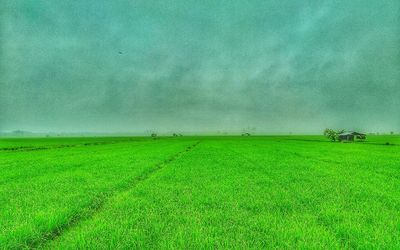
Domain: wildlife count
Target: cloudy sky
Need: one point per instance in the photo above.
(199, 66)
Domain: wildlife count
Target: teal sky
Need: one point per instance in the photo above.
(199, 66)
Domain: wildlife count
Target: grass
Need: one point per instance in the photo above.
(199, 192)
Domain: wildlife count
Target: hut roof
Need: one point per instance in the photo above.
(351, 133)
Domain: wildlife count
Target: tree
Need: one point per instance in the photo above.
(330, 134)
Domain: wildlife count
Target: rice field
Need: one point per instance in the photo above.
(199, 192)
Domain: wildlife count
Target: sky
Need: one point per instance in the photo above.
(189, 66)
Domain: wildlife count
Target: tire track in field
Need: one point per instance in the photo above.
(100, 200)
(29, 175)
(33, 148)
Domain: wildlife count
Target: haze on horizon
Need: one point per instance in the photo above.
(199, 66)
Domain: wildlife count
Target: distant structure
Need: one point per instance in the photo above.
(20, 132)
(350, 136)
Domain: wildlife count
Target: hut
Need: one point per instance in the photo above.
(350, 136)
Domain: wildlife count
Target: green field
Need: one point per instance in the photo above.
(199, 192)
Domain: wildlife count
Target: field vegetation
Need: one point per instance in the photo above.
(199, 192)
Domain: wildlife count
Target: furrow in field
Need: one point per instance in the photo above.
(99, 202)
(66, 182)
(24, 170)
(32, 148)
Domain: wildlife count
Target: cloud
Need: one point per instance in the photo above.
(200, 66)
